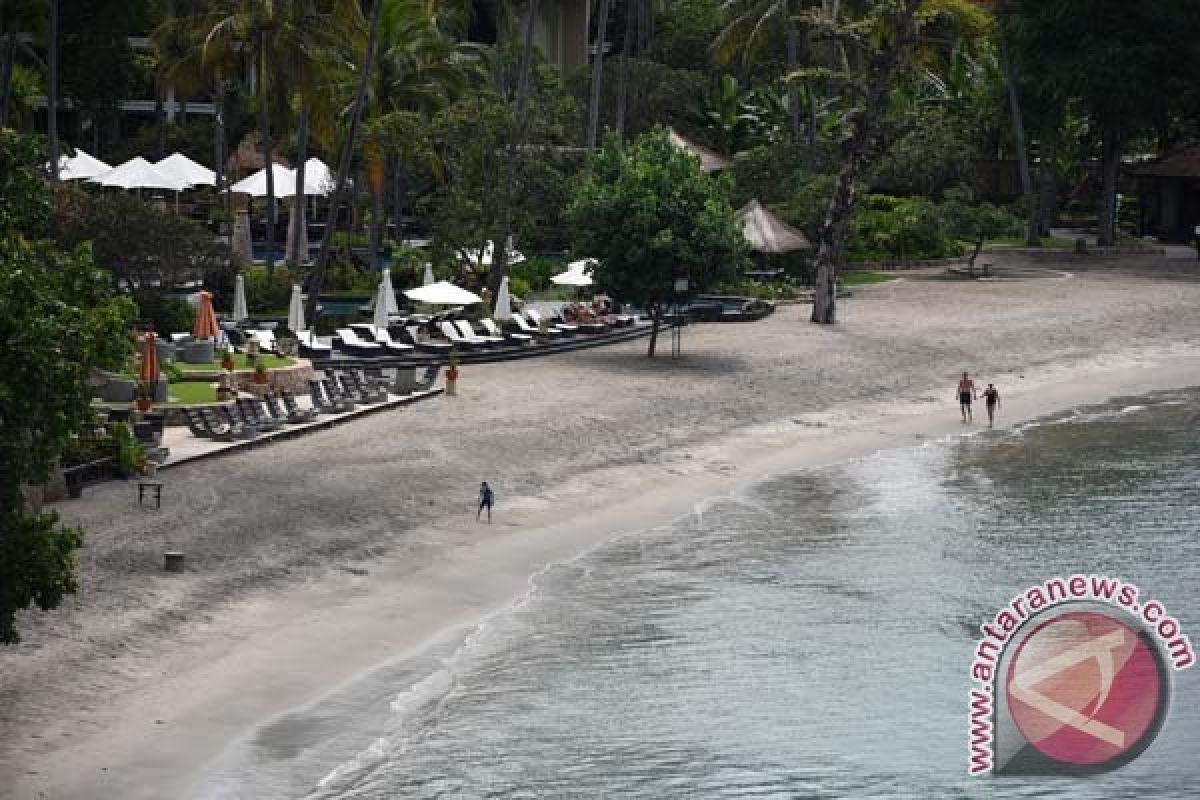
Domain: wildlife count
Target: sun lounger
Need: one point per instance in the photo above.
(312, 346)
(494, 330)
(196, 424)
(425, 344)
(384, 337)
(234, 417)
(470, 335)
(294, 410)
(426, 380)
(457, 339)
(326, 405)
(351, 385)
(353, 344)
(336, 394)
(276, 412)
(525, 327)
(251, 413)
(536, 318)
(233, 429)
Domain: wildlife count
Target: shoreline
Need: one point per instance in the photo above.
(287, 649)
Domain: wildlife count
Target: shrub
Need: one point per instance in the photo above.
(268, 294)
(166, 313)
(902, 228)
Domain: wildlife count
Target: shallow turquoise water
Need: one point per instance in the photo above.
(811, 638)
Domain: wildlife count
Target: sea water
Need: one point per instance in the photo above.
(808, 638)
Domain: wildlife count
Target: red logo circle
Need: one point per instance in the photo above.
(1085, 689)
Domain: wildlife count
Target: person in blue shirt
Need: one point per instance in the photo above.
(486, 498)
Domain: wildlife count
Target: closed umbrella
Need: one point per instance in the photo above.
(206, 318)
(148, 371)
(428, 275)
(380, 319)
(503, 302)
(296, 311)
(239, 299)
(443, 293)
(388, 293)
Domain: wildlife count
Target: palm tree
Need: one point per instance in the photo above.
(743, 34)
(347, 156)
(597, 74)
(52, 91)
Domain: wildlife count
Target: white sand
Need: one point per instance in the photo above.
(143, 678)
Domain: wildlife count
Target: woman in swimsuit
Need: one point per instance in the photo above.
(966, 393)
(991, 396)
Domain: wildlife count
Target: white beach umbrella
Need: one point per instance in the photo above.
(182, 167)
(138, 173)
(484, 259)
(296, 311)
(429, 279)
(318, 178)
(380, 318)
(256, 185)
(503, 309)
(389, 294)
(576, 274)
(80, 166)
(239, 299)
(443, 293)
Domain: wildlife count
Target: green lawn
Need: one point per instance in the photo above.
(864, 278)
(240, 361)
(191, 392)
(1047, 243)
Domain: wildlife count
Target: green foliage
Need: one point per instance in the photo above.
(884, 228)
(976, 222)
(535, 271)
(267, 292)
(165, 313)
(129, 451)
(649, 215)
(59, 319)
(147, 248)
(934, 154)
(809, 204)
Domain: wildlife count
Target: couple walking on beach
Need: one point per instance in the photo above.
(967, 393)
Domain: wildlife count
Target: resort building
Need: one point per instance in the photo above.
(1170, 194)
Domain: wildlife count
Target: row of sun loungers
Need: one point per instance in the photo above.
(336, 393)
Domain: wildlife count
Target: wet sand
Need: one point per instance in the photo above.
(315, 559)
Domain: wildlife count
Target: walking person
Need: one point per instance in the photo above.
(966, 393)
(486, 498)
(991, 396)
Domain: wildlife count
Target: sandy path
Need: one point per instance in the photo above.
(298, 522)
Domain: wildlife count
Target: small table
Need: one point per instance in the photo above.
(154, 487)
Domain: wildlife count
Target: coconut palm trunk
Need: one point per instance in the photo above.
(345, 162)
(793, 64)
(623, 73)
(597, 75)
(299, 200)
(500, 251)
(52, 92)
(264, 127)
(6, 66)
(1018, 123)
(1048, 204)
(883, 66)
(1110, 177)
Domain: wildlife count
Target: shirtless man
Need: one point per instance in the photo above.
(966, 393)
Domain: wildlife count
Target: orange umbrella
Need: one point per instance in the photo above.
(148, 372)
(206, 318)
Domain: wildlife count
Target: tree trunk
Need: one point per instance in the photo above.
(52, 92)
(1111, 173)
(597, 76)
(6, 74)
(219, 143)
(1048, 203)
(398, 199)
(264, 128)
(814, 153)
(793, 64)
(623, 72)
(656, 314)
(833, 233)
(300, 200)
(375, 179)
(1018, 123)
(500, 250)
(347, 157)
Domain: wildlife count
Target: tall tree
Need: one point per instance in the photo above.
(894, 32)
(52, 91)
(597, 74)
(745, 33)
(317, 277)
(1018, 125)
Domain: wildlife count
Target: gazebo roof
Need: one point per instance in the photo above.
(709, 161)
(767, 233)
(1181, 163)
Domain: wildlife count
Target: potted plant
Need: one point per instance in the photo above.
(452, 374)
(227, 360)
(260, 371)
(143, 396)
(129, 451)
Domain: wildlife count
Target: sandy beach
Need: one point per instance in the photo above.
(315, 559)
